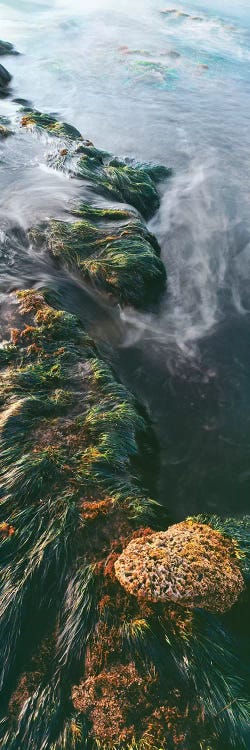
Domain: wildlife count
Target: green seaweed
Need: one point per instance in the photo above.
(132, 184)
(72, 440)
(110, 258)
(33, 117)
(68, 431)
(119, 180)
(72, 495)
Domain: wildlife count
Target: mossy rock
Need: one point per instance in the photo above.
(118, 257)
(124, 181)
(72, 497)
(39, 387)
(33, 117)
(134, 184)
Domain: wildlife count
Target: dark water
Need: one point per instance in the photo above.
(175, 89)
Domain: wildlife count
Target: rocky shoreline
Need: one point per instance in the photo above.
(91, 656)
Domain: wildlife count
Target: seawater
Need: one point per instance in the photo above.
(171, 87)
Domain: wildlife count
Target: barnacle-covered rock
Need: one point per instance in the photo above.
(189, 564)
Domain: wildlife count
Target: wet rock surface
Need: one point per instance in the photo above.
(6, 48)
(5, 79)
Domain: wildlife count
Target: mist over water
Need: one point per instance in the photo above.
(172, 88)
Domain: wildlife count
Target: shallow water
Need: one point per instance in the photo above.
(171, 88)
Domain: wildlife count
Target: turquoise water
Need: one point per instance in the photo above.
(171, 87)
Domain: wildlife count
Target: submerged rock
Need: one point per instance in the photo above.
(174, 54)
(189, 564)
(169, 11)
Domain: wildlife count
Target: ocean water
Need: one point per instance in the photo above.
(168, 83)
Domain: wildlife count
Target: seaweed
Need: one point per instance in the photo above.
(134, 184)
(83, 663)
(124, 181)
(70, 434)
(110, 256)
(108, 246)
(33, 117)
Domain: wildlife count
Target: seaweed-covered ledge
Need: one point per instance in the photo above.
(83, 663)
(115, 635)
(120, 180)
(109, 247)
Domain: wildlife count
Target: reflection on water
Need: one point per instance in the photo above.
(171, 87)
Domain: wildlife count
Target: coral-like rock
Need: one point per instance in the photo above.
(189, 564)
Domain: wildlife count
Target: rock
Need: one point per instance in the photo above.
(23, 102)
(3, 92)
(32, 117)
(4, 131)
(6, 48)
(5, 76)
(190, 564)
(172, 53)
